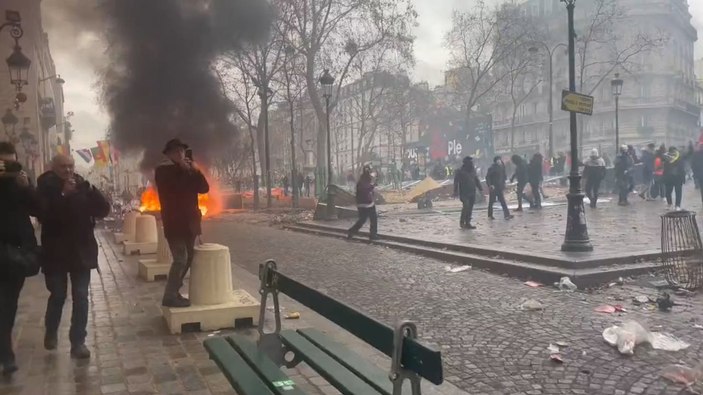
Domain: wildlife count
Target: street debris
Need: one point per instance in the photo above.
(533, 284)
(293, 316)
(531, 305)
(631, 334)
(457, 269)
(553, 348)
(641, 299)
(665, 303)
(556, 358)
(696, 326)
(610, 309)
(682, 374)
(555, 353)
(562, 344)
(565, 284)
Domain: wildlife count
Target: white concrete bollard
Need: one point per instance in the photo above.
(145, 229)
(129, 227)
(210, 275)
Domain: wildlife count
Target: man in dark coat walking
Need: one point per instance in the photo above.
(521, 174)
(495, 179)
(535, 179)
(465, 184)
(70, 207)
(178, 183)
(18, 201)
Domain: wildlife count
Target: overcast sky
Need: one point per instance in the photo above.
(90, 122)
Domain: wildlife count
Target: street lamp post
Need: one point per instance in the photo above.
(326, 81)
(17, 62)
(550, 107)
(576, 235)
(265, 93)
(616, 83)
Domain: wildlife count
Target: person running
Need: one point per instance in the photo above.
(465, 184)
(535, 179)
(366, 204)
(495, 179)
(674, 176)
(521, 174)
(593, 172)
(623, 166)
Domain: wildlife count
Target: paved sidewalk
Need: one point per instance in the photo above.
(133, 353)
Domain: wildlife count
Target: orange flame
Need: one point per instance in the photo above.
(210, 204)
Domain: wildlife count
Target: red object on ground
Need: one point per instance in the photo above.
(533, 284)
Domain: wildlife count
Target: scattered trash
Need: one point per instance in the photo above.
(293, 316)
(682, 374)
(640, 300)
(659, 284)
(696, 326)
(620, 281)
(565, 284)
(533, 284)
(665, 303)
(608, 309)
(556, 358)
(553, 348)
(631, 333)
(562, 344)
(684, 292)
(457, 269)
(531, 305)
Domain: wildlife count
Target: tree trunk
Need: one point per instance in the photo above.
(253, 170)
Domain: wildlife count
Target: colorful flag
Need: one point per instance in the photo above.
(104, 146)
(98, 156)
(85, 154)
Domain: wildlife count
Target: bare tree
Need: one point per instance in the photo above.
(520, 82)
(405, 105)
(335, 32)
(480, 40)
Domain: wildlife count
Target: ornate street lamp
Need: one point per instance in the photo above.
(9, 122)
(327, 81)
(616, 84)
(17, 62)
(576, 236)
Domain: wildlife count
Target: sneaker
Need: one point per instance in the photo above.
(668, 207)
(469, 226)
(374, 237)
(518, 210)
(491, 217)
(178, 301)
(507, 217)
(80, 352)
(8, 368)
(50, 341)
(678, 208)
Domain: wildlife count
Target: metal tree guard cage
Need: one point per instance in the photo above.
(682, 250)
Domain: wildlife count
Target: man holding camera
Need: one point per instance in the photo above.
(178, 183)
(17, 202)
(70, 207)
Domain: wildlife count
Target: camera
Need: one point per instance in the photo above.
(189, 154)
(13, 167)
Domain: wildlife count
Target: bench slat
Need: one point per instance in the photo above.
(266, 368)
(242, 377)
(340, 377)
(417, 357)
(351, 360)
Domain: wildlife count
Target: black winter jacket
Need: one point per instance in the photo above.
(178, 194)
(466, 182)
(67, 237)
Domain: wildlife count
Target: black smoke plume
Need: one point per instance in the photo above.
(159, 82)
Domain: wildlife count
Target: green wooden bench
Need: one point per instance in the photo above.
(255, 368)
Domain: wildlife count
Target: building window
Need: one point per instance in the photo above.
(645, 89)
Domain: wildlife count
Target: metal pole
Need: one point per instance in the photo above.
(551, 106)
(264, 99)
(331, 209)
(617, 124)
(576, 235)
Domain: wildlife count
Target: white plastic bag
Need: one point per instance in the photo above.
(565, 284)
(631, 334)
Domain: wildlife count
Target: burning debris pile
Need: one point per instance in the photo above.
(210, 204)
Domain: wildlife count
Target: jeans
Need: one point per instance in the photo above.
(9, 294)
(364, 214)
(592, 187)
(670, 187)
(182, 249)
(57, 284)
(536, 197)
(497, 194)
(467, 210)
(520, 190)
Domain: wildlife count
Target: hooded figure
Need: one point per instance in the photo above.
(465, 184)
(495, 179)
(593, 172)
(623, 166)
(366, 204)
(674, 175)
(521, 174)
(535, 179)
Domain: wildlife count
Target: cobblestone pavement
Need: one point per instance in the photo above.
(133, 353)
(610, 226)
(489, 345)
